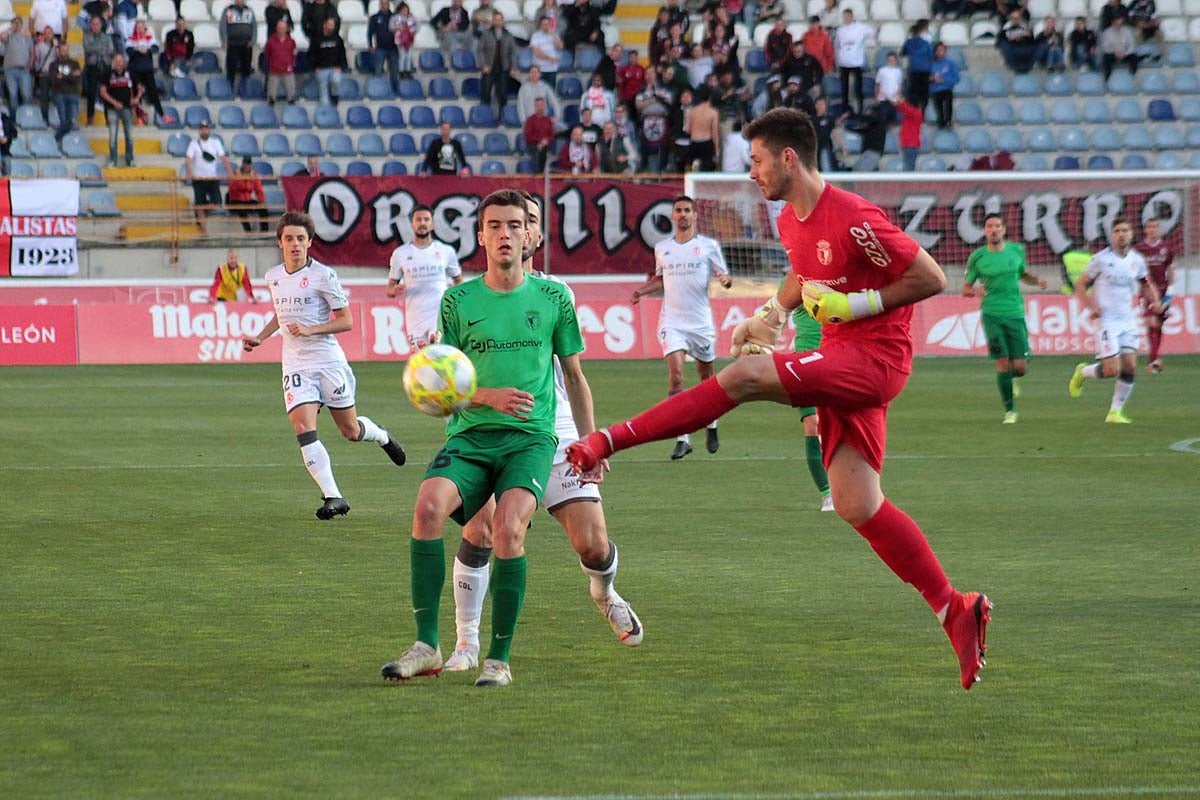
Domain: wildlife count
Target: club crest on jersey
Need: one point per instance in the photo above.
(696, 250)
(304, 282)
(533, 319)
(824, 253)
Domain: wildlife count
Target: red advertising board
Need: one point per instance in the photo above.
(37, 335)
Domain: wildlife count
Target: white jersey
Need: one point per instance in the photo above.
(564, 419)
(1116, 282)
(686, 270)
(426, 273)
(307, 297)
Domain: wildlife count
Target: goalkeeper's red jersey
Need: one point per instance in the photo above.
(850, 245)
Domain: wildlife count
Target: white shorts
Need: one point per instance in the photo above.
(329, 386)
(1112, 340)
(421, 332)
(564, 487)
(700, 345)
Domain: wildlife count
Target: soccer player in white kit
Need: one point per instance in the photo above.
(310, 308)
(572, 502)
(683, 266)
(423, 269)
(1117, 273)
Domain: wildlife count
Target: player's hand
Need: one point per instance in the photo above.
(635, 298)
(831, 307)
(758, 334)
(296, 329)
(596, 473)
(513, 402)
(1043, 283)
(250, 342)
(968, 291)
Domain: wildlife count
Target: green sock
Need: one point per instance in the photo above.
(508, 595)
(1005, 381)
(812, 451)
(428, 564)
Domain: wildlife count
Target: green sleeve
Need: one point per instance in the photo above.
(972, 268)
(448, 320)
(1021, 255)
(568, 340)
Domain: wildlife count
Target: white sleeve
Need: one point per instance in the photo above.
(394, 271)
(453, 269)
(1094, 267)
(1143, 271)
(658, 264)
(717, 258)
(335, 295)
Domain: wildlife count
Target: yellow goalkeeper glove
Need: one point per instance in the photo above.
(759, 333)
(831, 307)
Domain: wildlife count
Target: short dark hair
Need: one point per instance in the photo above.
(683, 198)
(994, 215)
(420, 207)
(502, 198)
(295, 219)
(1121, 221)
(780, 128)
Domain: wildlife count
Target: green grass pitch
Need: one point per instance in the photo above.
(175, 622)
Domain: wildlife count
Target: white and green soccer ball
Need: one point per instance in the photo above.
(439, 380)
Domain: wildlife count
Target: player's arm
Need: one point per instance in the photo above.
(511, 401)
(972, 275)
(579, 393)
(923, 278)
(1150, 292)
(268, 330)
(216, 284)
(1081, 293)
(248, 287)
(394, 287)
(1029, 279)
(719, 268)
(340, 321)
(652, 286)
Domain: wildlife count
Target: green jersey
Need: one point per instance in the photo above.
(511, 338)
(1000, 272)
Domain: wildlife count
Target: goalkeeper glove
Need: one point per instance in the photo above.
(759, 333)
(831, 307)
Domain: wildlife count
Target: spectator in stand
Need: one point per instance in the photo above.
(239, 28)
(124, 17)
(312, 167)
(312, 19)
(497, 57)
(142, 48)
(943, 77)
(278, 10)
(616, 156)
(544, 47)
(735, 151)
(731, 98)
(800, 64)
(453, 26)
(765, 13)
(231, 281)
(607, 67)
(660, 36)
(445, 155)
(246, 189)
(677, 46)
(722, 41)
(768, 96)
(582, 22)
(629, 129)
(538, 132)
(912, 117)
(888, 81)
(698, 66)
(533, 89)
(280, 51)
(577, 156)
(200, 162)
(328, 55)
(1143, 17)
(831, 143)
(831, 16)
(548, 9)
(8, 132)
(381, 43)
(873, 126)
(50, 14)
(1117, 47)
(1016, 44)
(631, 77)
(818, 44)
(404, 32)
(1110, 12)
(918, 49)
(949, 9)
(18, 62)
(481, 18)
(97, 55)
(178, 48)
(653, 106)
(1051, 47)
(702, 126)
(96, 8)
(850, 54)
(678, 15)
(680, 142)
(1083, 46)
(45, 46)
(777, 45)
(591, 131)
(66, 80)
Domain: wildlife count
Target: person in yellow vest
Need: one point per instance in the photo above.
(1074, 263)
(231, 282)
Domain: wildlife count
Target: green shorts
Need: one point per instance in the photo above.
(1006, 337)
(488, 461)
(808, 337)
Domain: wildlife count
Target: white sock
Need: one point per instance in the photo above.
(372, 432)
(941, 615)
(600, 582)
(316, 459)
(685, 438)
(470, 589)
(1121, 393)
(1091, 371)
(712, 426)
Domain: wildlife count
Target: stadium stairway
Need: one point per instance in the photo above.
(74, 35)
(633, 22)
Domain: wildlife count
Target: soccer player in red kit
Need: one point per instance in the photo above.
(1160, 261)
(858, 275)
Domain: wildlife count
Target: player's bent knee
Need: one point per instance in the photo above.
(1126, 376)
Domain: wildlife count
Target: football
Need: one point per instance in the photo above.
(439, 380)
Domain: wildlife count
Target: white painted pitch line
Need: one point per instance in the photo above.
(897, 794)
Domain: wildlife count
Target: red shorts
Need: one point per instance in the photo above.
(851, 389)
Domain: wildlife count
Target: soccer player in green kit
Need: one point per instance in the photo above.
(1000, 267)
(511, 325)
(808, 337)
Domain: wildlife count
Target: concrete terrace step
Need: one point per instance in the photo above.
(162, 203)
(141, 145)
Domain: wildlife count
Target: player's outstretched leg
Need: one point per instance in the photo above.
(368, 431)
(1075, 384)
(332, 507)
(620, 615)
(420, 660)
(966, 622)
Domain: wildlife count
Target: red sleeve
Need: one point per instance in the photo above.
(880, 244)
(212, 291)
(246, 285)
(262, 198)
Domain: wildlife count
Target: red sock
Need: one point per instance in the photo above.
(897, 540)
(1155, 335)
(679, 414)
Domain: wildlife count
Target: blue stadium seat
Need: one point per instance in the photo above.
(184, 89)
(380, 88)
(1041, 140)
(1000, 112)
(1127, 110)
(1121, 82)
(1180, 55)
(853, 142)
(1096, 111)
(402, 144)
(427, 139)
(371, 145)
(20, 149)
(204, 62)
(422, 117)
(263, 117)
(1191, 137)
(1106, 138)
(1138, 138)
(1189, 109)
(1160, 111)
(245, 144)
(364, 63)
(1064, 112)
(993, 84)
(831, 86)
(891, 143)
(290, 168)
(329, 167)
(218, 89)
(29, 118)
(470, 144)
(1186, 83)
(1168, 137)
(231, 116)
(756, 61)
(348, 89)
(570, 114)
(1090, 84)
(327, 118)
(526, 166)
(194, 115)
(496, 144)
(1153, 82)
(339, 145)
(1032, 112)
(1027, 85)
(509, 116)
(358, 168)
(1194, 160)
(492, 167)
(946, 142)
(464, 61)
(966, 86)
(569, 87)
(296, 117)
(44, 145)
(308, 89)
(482, 117)
(177, 144)
(276, 199)
(1072, 138)
(395, 168)
(1058, 85)
(102, 203)
(932, 164)
(55, 169)
(566, 61)
(1168, 161)
(264, 169)
(1134, 161)
(88, 173)
(1066, 162)
(308, 144)
(979, 141)
(1100, 162)
(410, 89)
(172, 112)
(252, 88)
(470, 88)
(1034, 164)
(390, 117)
(587, 58)
(442, 89)
(968, 113)
(303, 63)
(431, 61)
(75, 145)
(276, 145)
(359, 118)
(452, 114)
